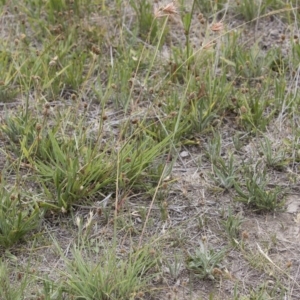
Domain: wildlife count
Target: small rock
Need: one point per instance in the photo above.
(293, 203)
(184, 154)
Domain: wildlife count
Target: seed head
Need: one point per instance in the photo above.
(152, 252)
(95, 50)
(200, 17)
(22, 36)
(52, 63)
(130, 82)
(46, 112)
(140, 295)
(209, 45)
(245, 235)
(243, 109)
(217, 272)
(78, 221)
(38, 127)
(217, 26)
(169, 9)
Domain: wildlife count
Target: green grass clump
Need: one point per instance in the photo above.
(206, 263)
(110, 277)
(232, 226)
(257, 195)
(18, 216)
(8, 289)
(70, 175)
(149, 25)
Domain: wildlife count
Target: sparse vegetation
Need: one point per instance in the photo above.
(138, 138)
